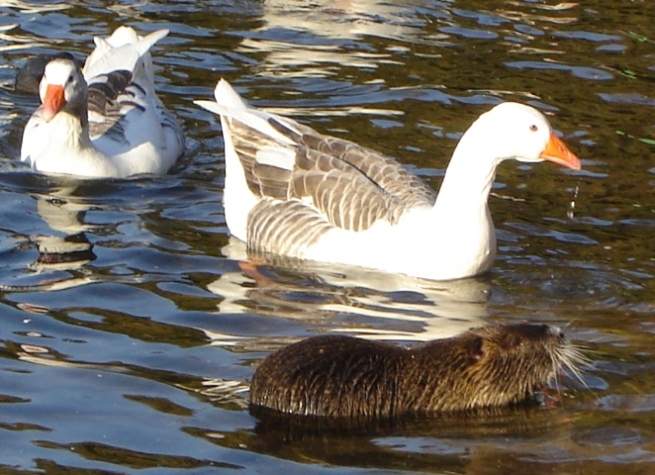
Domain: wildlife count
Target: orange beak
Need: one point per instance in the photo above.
(556, 151)
(53, 102)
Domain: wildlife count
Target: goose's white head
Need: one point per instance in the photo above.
(512, 130)
(62, 86)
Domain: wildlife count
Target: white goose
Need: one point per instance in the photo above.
(290, 190)
(104, 121)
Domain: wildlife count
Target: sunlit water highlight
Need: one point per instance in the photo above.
(134, 353)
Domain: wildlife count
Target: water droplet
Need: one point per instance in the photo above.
(571, 211)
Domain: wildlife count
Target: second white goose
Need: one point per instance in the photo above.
(293, 191)
(105, 120)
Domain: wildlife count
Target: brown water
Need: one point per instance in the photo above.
(135, 359)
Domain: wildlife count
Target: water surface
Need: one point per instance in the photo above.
(134, 357)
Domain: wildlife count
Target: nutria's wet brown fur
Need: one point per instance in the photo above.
(342, 376)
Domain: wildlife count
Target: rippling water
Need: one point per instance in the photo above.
(135, 354)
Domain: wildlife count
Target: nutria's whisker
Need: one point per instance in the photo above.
(556, 367)
(573, 359)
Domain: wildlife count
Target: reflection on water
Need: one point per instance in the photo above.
(70, 249)
(306, 39)
(67, 249)
(412, 309)
(130, 322)
(464, 434)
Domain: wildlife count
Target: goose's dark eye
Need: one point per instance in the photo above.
(534, 128)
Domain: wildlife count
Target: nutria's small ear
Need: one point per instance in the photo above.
(476, 348)
(513, 341)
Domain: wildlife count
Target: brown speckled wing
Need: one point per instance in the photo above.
(390, 176)
(349, 186)
(284, 227)
(263, 180)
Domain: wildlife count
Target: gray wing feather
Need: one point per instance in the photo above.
(262, 180)
(284, 227)
(384, 171)
(351, 185)
(104, 105)
(111, 97)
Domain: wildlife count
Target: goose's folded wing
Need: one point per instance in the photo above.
(352, 186)
(106, 110)
(267, 163)
(284, 227)
(386, 173)
(124, 109)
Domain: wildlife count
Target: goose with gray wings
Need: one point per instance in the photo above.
(293, 191)
(104, 120)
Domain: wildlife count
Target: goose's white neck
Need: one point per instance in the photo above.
(68, 140)
(469, 178)
(464, 239)
(69, 132)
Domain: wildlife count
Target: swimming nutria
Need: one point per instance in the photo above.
(343, 376)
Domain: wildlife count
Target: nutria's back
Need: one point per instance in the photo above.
(343, 376)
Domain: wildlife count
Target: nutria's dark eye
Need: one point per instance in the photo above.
(70, 79)
(534, 128)
(476, 349)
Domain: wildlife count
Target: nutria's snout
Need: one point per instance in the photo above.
(343, 376)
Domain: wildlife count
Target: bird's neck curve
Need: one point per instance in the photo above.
(469, 177)
(71, 129)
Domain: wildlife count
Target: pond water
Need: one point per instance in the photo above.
(134, 355)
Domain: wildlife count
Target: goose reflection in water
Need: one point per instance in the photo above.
(302, 39)
(64, 214)
(360, 302)
(62, 255)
